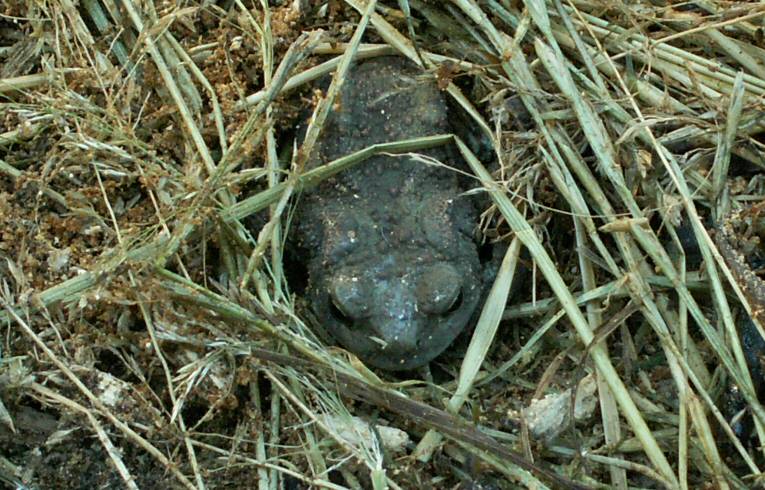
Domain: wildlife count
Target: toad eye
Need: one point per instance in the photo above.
(439, 290)
(348, 301)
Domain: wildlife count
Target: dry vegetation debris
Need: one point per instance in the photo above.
(149, 337)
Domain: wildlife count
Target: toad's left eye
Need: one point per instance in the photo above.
(349, 298)
(439, 290)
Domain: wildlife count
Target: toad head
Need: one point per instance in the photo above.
(395, 288)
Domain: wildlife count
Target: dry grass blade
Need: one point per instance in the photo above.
(437, 419)
(486, 328)
(316, 72)
(297, 51)
(312, 177)
(153, 451)
(102, 436)
(312, 134)
(599, 356)
(316, 122)
(483, 336)
(21, 83)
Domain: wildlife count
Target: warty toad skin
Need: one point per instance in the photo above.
(393, 267)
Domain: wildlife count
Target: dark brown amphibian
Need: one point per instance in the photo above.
(393, 269)
(751, 285)
(730, 244)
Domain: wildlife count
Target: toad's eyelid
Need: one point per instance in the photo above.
(454, 298)
(456, 302)
(345, 315)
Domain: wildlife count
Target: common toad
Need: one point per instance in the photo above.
(732, 243)
(393, 267)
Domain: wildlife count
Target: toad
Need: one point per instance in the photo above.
(393, 269)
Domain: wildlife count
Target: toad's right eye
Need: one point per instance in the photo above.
(439, 289)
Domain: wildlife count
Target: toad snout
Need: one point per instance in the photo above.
(397, 315)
